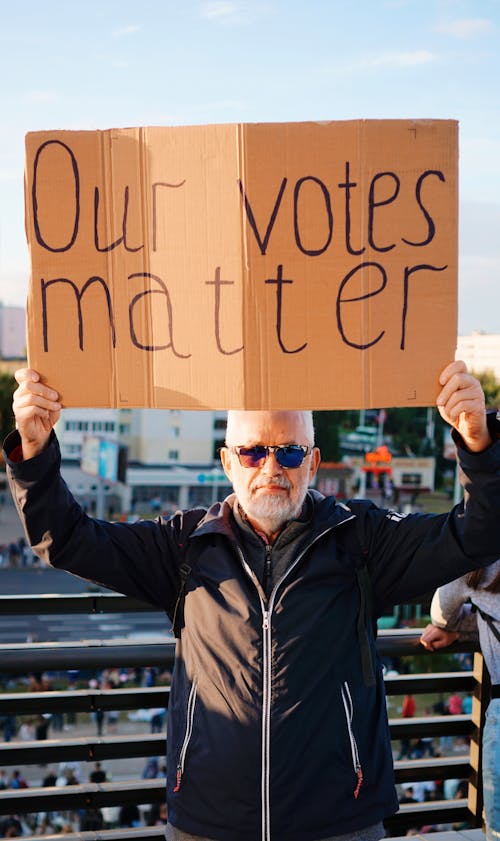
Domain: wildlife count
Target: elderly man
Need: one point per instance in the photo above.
(277, 727)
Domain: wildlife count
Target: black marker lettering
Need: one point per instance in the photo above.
(262, 243)
(372, 204)
(162, 291)
(98, 247)
(154, 187)
(123, 237)
(218, 283)
(347, 187)
(124, 226)
(279, 281)
(34, 196)
(428, 217)
(341, 300)
(312, 252)
(79, 295)
(409, 270)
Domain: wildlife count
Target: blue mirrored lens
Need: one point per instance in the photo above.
(292, 456)
(288, 457)
(251, 456)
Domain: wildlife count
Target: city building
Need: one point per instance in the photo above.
(481, 352)
(171, 458)
(12, 332)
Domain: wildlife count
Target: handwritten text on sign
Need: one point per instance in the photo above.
(169, 272)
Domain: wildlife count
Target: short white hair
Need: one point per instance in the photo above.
(232, 424)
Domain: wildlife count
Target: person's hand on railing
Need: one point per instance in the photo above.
(36, 410)
(434, 638)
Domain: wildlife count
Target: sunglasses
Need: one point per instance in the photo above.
(288, 455)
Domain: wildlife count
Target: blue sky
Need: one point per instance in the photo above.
(104, 64)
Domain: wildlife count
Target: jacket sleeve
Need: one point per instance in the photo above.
(410, 556)
(139, 560)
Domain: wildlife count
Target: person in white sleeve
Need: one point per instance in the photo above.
(469, 608)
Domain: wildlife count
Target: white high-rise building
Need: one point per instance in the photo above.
(154, 437)
(158, 436)
(481, 352)
(171, 454)
(12, 332)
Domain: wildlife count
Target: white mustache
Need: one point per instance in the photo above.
(280, 481)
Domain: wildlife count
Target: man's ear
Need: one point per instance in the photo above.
(225, 457)
(315, 462)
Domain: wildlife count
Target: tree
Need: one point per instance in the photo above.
(491, 388)
(408, 430)
(326, 431)
(7, 387)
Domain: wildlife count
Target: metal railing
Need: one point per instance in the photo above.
(25, 658)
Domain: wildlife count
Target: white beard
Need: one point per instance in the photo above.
(271, 512)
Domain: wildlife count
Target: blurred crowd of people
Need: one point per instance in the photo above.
(418, 748)
(44, 725)
(35, 727)
(127, 815)
(17, 554)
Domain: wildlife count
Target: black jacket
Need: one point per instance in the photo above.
(275, 730)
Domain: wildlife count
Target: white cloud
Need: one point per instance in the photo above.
(41, 97)
(409, 59)
(392, 61)
(125, 31)
(464, 27)
(219, 9)
(239, 12)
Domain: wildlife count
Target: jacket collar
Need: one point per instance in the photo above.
(327, 514)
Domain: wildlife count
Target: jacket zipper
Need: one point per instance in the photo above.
(266, 677)
(267, 566)
(266, 724)
(349, 711)
(187, 736)
(266, 700)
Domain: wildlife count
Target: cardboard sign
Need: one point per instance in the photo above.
(306, 265)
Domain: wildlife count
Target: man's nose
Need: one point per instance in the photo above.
(271, 466)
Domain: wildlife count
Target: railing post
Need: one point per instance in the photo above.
(480, 700)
